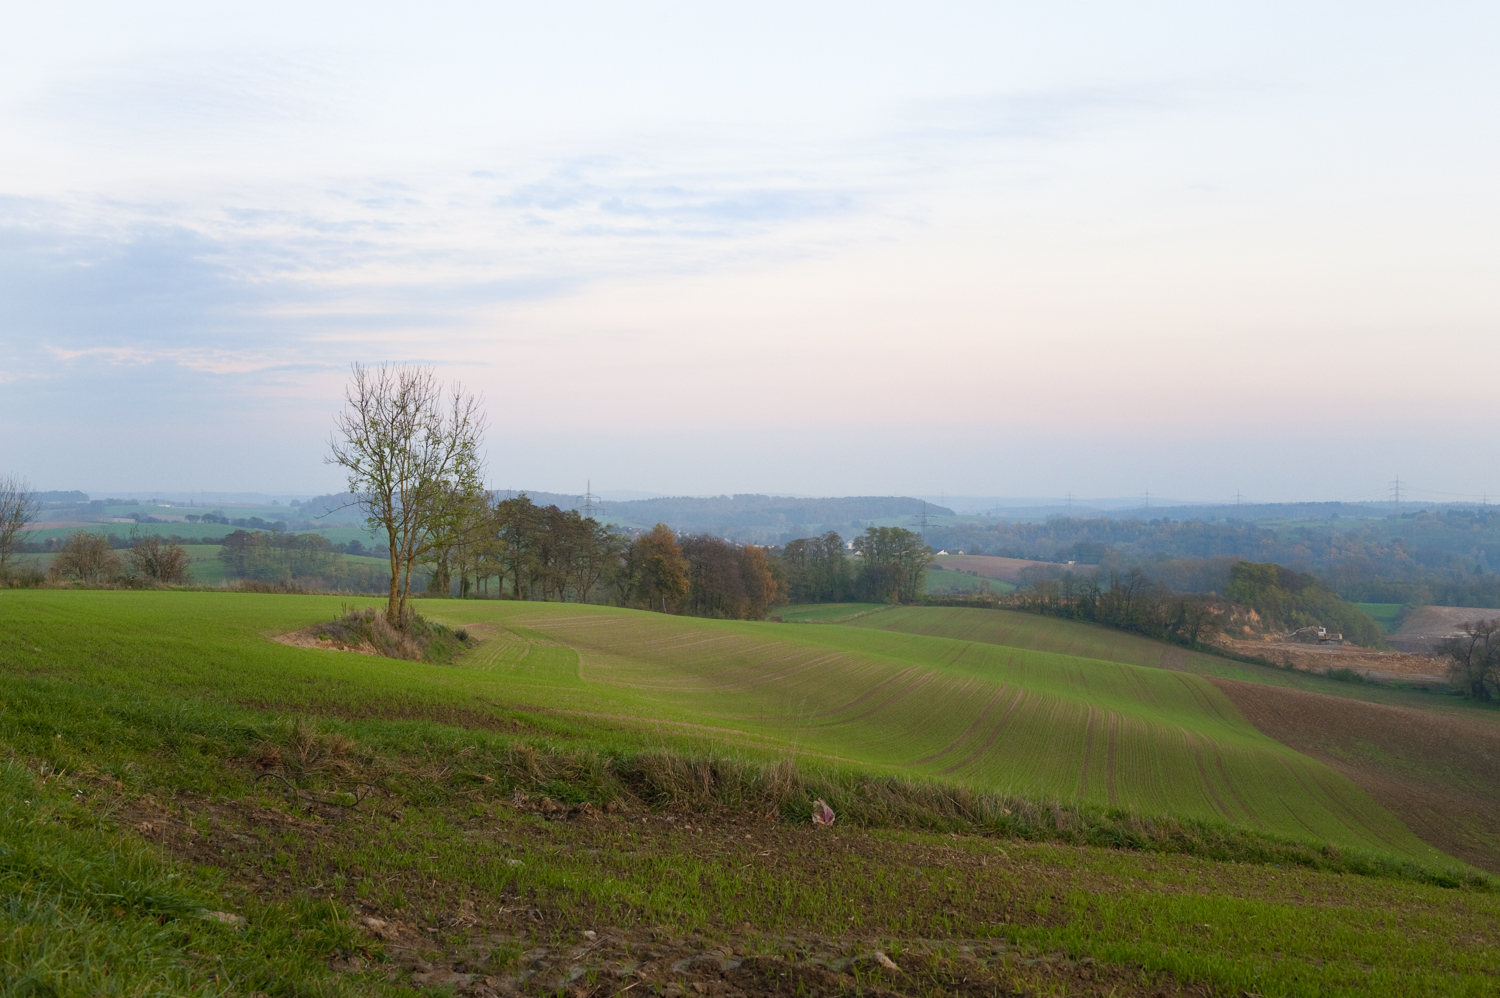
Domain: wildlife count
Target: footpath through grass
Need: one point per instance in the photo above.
(191, 808)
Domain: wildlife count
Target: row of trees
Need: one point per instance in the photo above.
(891, 568)
(529, 551)
(275, 557)
(1129, 601)
(410, 450)
(89, 558)
(543, 552)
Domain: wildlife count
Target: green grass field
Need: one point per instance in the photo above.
(1026, 630)
(131, 802)
(941, 580)
(356, 572)
(336, 535)
(1387, 615)
(826, 613)
(995, 718)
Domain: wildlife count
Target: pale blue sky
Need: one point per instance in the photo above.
(861, 248)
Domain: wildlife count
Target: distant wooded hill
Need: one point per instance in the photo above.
(758, 518)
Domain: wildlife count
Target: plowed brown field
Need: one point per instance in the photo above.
(1436, 772)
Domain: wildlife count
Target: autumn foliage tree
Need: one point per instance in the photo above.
(727, 580)
(655, 574)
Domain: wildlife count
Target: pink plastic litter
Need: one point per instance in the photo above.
(822, 814)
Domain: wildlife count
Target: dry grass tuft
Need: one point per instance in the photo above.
(369, 631)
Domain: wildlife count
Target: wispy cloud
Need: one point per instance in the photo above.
(186, 96)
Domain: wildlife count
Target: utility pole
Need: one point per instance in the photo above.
(1148, 498)
(1070, 502)
(588, 500)
(1396, 491)
(1236, 497)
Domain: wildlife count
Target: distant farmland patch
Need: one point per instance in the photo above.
(1387, 615)
(941, 580)
(992, 567)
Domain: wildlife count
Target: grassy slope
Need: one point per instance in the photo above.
(1387, 615)
(1040, 633)
(990, 717)
(138, 704)
(1001, 719)
(1424, 756)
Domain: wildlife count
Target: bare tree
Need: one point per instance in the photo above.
(18, 507)
(1474, 657)
(152, 559)
(411, 454)
(87, 558)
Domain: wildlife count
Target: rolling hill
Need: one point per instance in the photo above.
(189, 806)
(1429, 759)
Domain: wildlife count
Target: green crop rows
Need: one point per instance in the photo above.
(160, 693)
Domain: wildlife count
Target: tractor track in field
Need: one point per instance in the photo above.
(1021, 694)
(984, 715)
(1088, 752)
(1208, 784)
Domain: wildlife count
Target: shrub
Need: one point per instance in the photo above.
(153, 560)
(87, 558)
(368, 630)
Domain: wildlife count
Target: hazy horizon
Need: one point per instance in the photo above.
(844, 250)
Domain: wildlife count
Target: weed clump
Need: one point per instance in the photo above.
(303, 750)
(368, 630)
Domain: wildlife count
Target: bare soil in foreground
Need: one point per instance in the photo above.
(1436, 772)
(444, 934)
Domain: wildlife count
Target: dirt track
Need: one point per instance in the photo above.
(1436, 772)
(1321, 658)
